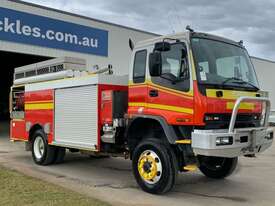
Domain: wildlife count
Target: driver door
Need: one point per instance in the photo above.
(170, 94)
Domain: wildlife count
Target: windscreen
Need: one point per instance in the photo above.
(224, 64)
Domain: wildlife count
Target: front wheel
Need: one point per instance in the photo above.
(217, 167)
(154, 166)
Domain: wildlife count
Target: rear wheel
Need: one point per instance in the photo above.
(217, 167)
(42, 153)
(154, 166)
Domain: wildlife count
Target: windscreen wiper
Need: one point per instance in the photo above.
(239, 81)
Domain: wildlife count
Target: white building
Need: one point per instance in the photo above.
(265, 70)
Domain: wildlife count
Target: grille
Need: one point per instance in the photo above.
(44, 70)
(30, 73)
(242, 120)
(19, 76)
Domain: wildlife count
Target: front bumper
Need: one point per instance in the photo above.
(239, 142)
(244, 141)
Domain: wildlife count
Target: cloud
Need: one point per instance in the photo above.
(249, 20)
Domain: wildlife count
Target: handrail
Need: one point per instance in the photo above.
(236, 109)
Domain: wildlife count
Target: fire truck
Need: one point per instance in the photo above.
(190, 101)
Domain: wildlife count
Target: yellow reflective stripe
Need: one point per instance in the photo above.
(162, 107)
(173, 93)
(39, 106)
(171, 108)
(243, 105)
(36, 102)
(229, 94)
(184, 141)
(137, 104)
(188, 94)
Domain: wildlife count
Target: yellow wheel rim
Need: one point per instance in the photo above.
(149, 167)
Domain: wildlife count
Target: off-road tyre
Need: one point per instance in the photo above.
(166, 157)
(217, 167)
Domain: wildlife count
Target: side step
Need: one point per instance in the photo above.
(190, 167)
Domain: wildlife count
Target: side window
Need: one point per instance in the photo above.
(175, 69)
(140, 66)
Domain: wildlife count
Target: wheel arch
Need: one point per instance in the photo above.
(143, 126)
(33, 129)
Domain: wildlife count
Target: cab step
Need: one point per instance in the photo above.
(184, 141)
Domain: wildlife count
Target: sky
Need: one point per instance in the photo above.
(252, 21)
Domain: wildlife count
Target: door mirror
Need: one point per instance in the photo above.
(162, 46)
(155, 64)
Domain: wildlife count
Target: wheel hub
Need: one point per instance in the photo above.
(149, 167)
(39, 147)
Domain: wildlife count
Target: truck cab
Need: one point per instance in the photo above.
(199, 93)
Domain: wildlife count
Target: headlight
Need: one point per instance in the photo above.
(224, 141)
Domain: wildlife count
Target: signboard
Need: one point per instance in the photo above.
(21, 27)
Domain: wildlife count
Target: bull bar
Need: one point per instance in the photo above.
(233, 142)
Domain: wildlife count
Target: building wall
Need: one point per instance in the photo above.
(119, 51)
(265, 70)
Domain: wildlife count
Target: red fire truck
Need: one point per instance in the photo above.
(191, 100)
